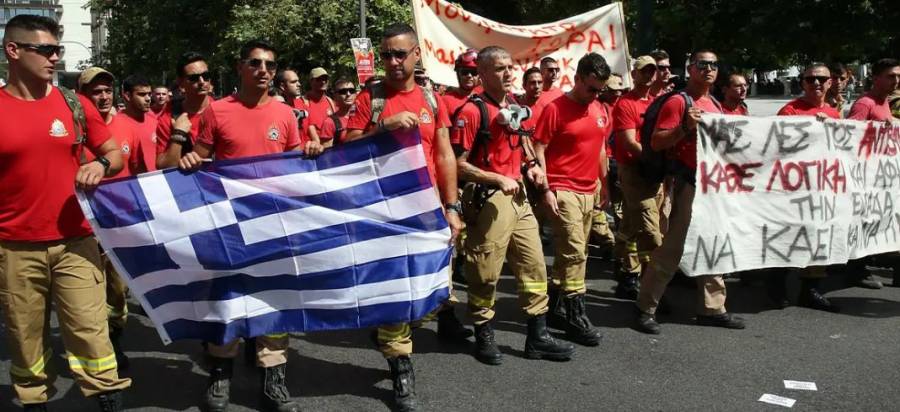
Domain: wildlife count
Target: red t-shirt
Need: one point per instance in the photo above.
(543, 100)
(327, 129)
(670, 117)
(575, 135)
(234, 130)
(38, 163)
(799, 107)
(867, 108)
(136, 139)
(504, 155)
(164, 127)
(628, 114)
(319, 109)
(454, 99)
(406, 101)
(740, 110)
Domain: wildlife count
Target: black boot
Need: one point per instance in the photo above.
(646, 323)
(274, 395)
(578, 326)
(115, 337)
(450, 329)
(811, 298)
(218, 388)
(110, 401)
(486, 350)
(776, 288)
(861, 276)
(541, 345)
(627, 288)
(404, 380)
(557, 311)
(35, 407)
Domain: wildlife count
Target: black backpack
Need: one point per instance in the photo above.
(654, 165)
(483, 134)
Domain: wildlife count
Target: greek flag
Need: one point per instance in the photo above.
(279, 243)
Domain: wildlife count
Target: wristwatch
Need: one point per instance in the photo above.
(455, 207)
(179, 137)
(105, 162)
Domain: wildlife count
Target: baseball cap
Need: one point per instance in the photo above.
(317, 72)
(615, 82)
(467, 60)
(89, 74)
(643, 61)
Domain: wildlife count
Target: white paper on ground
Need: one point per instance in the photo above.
(800, 385)
(777, 400)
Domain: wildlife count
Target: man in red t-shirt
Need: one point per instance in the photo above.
(639, 230)
(318, 106)
(549, 93)
(405, 106)
(248, 123)
(815, 81)
(467, 77)
(334, 128)
(663, 83)
(735, 91)
(874, 105)
(570, 140)
(47, 253)
(179, 123)
(500, 221)
(677, 133)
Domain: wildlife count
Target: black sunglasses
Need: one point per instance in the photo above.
(467, 72)
(271, 65)
(812, 79)
(194, 78)
(552, 69)
(346, 91)
(46, 50)
(394, 54)
(662, 67)
(707, 65)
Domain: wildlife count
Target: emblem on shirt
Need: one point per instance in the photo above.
(125, 148)
(273, 133)
(153, 137)
(601, 122)
(58, 129)
(424, 117)
(329, 112)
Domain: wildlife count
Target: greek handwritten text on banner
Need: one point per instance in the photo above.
(445, 30)
(792, 192)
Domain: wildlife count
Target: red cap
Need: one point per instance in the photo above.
(467, 60)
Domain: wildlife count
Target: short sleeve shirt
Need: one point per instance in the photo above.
(501, 154)
(670, 117)
(234, 130)
(628, 114)
(867, 108)
(799, 107)
(135, 138)
(164, 127)
(575, 136)
(38, 162)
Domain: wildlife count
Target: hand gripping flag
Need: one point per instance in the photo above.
(279, 243)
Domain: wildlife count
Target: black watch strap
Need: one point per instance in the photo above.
(455, 207)
(103, 161)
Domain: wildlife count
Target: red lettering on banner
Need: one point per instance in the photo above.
(731, 175)
(612, 36)
(448, 8)
(794, 176)
(884, 141)
(437, 6)
(540, 40)
(429, 46)
(567, 26)
(525, 64)
(595, 39)
(565, 81)
(566, 64)
(575, 38)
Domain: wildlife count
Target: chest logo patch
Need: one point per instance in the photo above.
(601, 122)
(126, 148)
(424, 117)
(153, 137)
(273, 133)
(58, 129)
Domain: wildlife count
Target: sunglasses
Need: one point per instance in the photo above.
(467, 72)
(345, 92)
(400, 55)
(270, 65)
(552, 69)
(194, 78)
(46, 50)
(707, 65)
(812, 79)
(663, 68)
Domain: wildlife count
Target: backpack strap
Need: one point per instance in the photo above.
(431, 100)
(378, 96)
(338, 128)
(79, 120)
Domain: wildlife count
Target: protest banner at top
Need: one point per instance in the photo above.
(445, 30)
(792, 192)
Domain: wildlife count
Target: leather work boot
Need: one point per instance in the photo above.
(539, 344)
(557, 312)
(722, 320)
(646, 323)
(450, 329)
(218, 388)
(115, 337)
(404, 380)
(578, 326)
(627, 288)
(274, 394)
(486, 350)
(110, 401)
(776, 289)
(811, 298)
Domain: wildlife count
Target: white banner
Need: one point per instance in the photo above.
(792, 192)
(445, 30)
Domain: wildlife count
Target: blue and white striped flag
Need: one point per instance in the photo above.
(353, 238)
